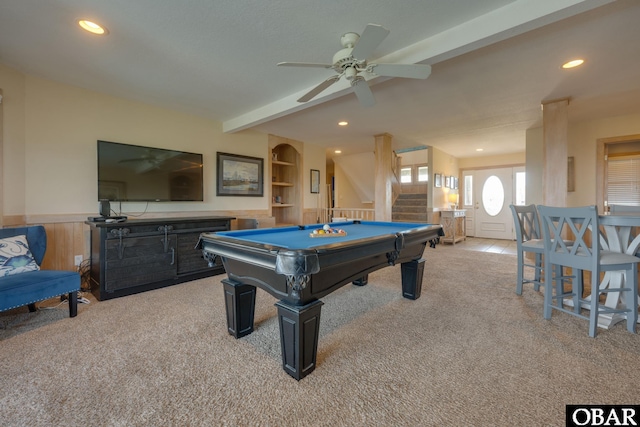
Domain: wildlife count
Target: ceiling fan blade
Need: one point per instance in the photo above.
(303, 64)
(363, 92)
(409, 71)
(371, 37)
(322, 86)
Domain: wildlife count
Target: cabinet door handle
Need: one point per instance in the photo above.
(173, 256)
(120, 232)
(165, 240)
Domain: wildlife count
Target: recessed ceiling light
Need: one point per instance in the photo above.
(92, 27)
(479, 149)
(573, 63)
(338, 151)
(343, 123)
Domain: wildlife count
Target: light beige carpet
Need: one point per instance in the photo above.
(468, 352)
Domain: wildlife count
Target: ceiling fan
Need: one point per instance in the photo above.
(351, 61)
(150, 160)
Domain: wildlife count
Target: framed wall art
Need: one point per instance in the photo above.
(315, 181)
(437, 180)
(239, 175)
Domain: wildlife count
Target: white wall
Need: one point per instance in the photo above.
(346, 195)
(314, 158)
(355, 179)
(13, 167)
(416, 157)
(446, 165)
(582, 146)
(64, 122)
(480, 162)
(50, 134)
(583, 138)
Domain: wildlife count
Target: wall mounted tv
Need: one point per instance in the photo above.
(132, 173)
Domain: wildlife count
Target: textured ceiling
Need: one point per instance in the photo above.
(494, 62)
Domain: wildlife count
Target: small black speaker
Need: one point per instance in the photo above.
(105, 208)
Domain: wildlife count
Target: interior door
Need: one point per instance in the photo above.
(493, 193)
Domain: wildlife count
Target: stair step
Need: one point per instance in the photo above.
(412, 196)
(409, 209)
(412, 217)
(411, 202)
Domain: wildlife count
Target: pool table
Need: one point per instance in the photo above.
(299, 267)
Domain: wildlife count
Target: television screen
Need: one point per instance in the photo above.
(131, 173)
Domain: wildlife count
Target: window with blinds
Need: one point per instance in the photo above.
(623, 180)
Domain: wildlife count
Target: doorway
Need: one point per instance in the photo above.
(487, 200)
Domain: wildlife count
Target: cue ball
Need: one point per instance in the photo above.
(326, 227)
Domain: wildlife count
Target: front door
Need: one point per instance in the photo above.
(493, 193)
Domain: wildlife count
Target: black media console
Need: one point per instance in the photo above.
(138, 255)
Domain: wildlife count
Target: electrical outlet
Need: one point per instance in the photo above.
(77, 260)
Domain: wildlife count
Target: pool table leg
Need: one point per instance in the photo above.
(362, 281)
(240, 302)
(412, 273)
(299, 326)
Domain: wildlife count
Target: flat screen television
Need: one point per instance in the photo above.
(133, 173)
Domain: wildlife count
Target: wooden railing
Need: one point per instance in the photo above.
(396, 189)
(339, 214)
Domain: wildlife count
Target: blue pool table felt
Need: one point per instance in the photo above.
(296, 238)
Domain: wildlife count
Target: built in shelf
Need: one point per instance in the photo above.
(282, 205)
(282, 184)
(280, 162)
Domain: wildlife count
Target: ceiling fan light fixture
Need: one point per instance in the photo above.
(92, 27)
(573, 63)
(350, 73)
(343, 123)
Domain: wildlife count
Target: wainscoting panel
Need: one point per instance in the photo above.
(65, 240)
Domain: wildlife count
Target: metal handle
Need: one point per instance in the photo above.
(120, 232)
(165, 240)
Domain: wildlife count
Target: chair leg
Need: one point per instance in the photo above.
(538, 273)
(631, 299)
(595, 304)
(73, 304)
(520, 272)
(548, 291)
(559, 281)
(578, 286)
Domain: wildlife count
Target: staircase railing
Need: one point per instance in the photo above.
(396, 189)
(348, 214)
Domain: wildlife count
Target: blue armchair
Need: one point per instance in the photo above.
(27, 284)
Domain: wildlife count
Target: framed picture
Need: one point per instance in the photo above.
(315, 181)
(239, 175)
(437, 180)
(455, 182)
(447, 181)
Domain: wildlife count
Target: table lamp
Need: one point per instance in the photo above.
(453, 200)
